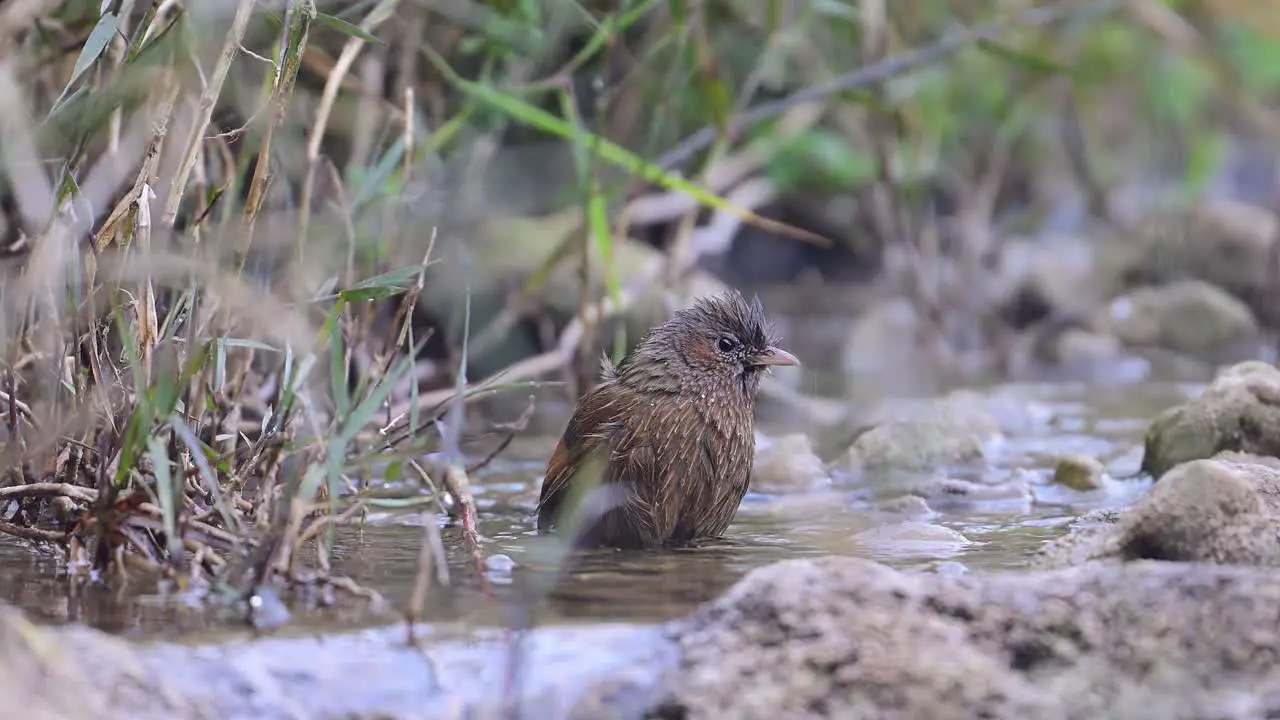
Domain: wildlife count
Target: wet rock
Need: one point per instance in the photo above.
(1066, 350)
(600, 671)
(885, 349)
(911, 506)
(951, 493)
(1080, 472)
(1189, 316)
(566, 673)
(1223, 243)
(954, 430)
(842, 637)
(1221, 510)
(951, 568)
(1240, 410)
(912, 538)
(77, 672)
(1045, 278)
(787, 464)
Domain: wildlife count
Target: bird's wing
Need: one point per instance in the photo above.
(597, 440)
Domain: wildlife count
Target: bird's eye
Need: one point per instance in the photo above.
(727, 344)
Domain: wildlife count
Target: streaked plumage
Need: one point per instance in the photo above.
(671, 428)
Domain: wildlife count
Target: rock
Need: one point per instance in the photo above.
(1189, 316)
(826, 637)
(885, 349)
(912, 538)
(587, 672)
(1222, 510)
(955, 492)
(786, 464)
(76, 672)
(1065, 350)
(1044, 278)
(954, 430)
(1223, 243)
(844, 637)
(911, 506)
(1080, 472)
(1240, 410)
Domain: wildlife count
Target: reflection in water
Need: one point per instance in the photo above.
(636, 586)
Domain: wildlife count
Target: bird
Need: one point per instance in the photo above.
(669, 432)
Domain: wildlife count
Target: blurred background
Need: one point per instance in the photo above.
(304, 229)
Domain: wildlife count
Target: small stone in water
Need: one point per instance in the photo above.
(909, 505)
(267, 611)
(1079, 472)
(500, 563)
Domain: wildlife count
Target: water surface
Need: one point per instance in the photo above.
(382, 552)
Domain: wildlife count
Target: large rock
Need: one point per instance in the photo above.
(1189, 316)
(924, 435)
(886, 349)
(1224, 243)
(75, 672)
(787, 463)
(1240, 410)
(842, 637)
(1045, 277)
(1225, 510)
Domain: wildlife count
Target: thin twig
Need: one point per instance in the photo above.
(204, 109)
(51, 536)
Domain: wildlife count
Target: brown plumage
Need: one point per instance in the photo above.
(670, 430)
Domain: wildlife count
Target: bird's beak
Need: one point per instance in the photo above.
(775, 356)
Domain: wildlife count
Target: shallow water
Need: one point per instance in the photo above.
(382, 554)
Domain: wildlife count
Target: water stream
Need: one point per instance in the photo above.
(1105, 423)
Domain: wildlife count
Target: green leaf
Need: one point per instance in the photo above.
(1254, 56)
(166, 495)
(718, 101)
(679, 12)
(338, 370)
(824, 157)
(99, 38)
(382, 286)
(364, 412)
(310, 484)
(1183, 86)
(393, 472)
(346, 28)
(1025, 59)
(1204, 156)
(380, 174)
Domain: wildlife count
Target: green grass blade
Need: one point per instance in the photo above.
(166, 494)
(346, 28)
(99, 38)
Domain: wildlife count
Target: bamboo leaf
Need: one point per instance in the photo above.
(1028, 60)
(382, 286)
(165, 495)
(99, 38)
(346, 28)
